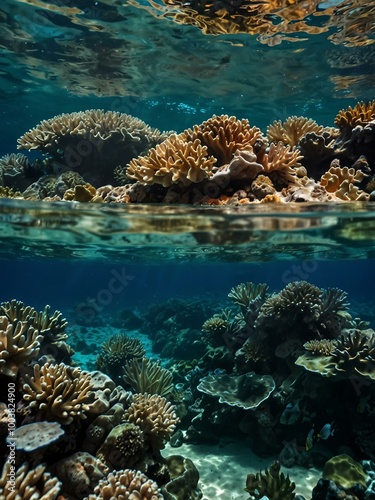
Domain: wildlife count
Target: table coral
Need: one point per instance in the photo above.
(57, 392)
(126, 484)
(19, 343)
(34, 484)
(247, 391)
(155, 416)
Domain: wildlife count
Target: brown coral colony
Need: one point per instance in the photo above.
(224, 160)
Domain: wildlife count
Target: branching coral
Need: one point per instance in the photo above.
(116, 351)
(126, 484)
(352, 353)
(123, 447)
(19, 342)
(57, 392)
(292, 130)
(271, 484)
(175, 160)
(282, 159)
(155, 416)
(362, 113)
(148, 377)
(245, 293)
(34, 484)
(223, 135)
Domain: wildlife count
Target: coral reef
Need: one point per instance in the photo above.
(83, 141)
(126, 484)
(57, 392)
(19, 342)
(155, 416)
(34, 484)
(246, 391)
(148, 377)
(114, 353)
(123, 448)
(270, 483)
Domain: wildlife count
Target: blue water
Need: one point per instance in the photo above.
(171, 271)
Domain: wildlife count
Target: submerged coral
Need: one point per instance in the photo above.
(272, 484)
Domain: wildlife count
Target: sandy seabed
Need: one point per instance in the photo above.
(223, 469)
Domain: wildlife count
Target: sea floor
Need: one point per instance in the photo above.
(223, 469)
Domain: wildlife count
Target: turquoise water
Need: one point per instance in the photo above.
(158, 273)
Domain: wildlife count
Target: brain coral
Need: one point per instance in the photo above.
(57, 392)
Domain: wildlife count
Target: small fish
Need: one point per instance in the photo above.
(325, 432)
(310, 440)
(291, 414)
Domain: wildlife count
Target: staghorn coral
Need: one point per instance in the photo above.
(321, 347)
(271, 484)
(57, 392)
(245, 293)
(34, 484)
(355, 351)
(148, 377)
(123, 447)
(247, 391)
(223, 135)
(176, 160)
(362, 113)
(341, 180)
(116, 351)
(124, 484)
(155, 416)
(19, 342)
(292, 130)
(298, 302)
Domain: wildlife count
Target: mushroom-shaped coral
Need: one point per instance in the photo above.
(25, 484)
(247, 391)
(155, 416)
(36, 435)
(176, 160)
(19, 342)
(291, 131)
(92, 142)
(223, 135)
(126, 484)
(271, 484)
(123, 447)
(148, 376)
(57, 392)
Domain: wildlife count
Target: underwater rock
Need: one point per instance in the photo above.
(184, 477)
(344, 471)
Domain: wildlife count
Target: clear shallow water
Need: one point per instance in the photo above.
(139, 58)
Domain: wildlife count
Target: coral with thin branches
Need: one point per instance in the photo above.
(57, 392)
(29, 484)
(155, 416)
(148, 377)
(362, 113)
(19, 342)
(292, 130)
